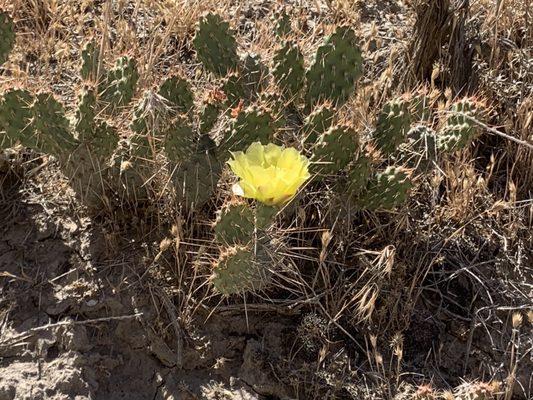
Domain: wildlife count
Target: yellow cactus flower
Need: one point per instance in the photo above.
(271, 174)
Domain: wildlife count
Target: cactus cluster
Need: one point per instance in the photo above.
(169, 124)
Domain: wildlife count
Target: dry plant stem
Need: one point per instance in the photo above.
(30, 332)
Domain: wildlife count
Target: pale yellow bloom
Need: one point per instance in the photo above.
(271, 174)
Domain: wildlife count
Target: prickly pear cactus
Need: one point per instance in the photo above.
(215, 45)
(337, 66)
(88, 167)
(289, 71)
(89, 61)
(235, 225)
(334, 150)
(7, 35)
(84, 122)
(254, 72)
(196, 179)
(177, 91)
(121, 82)
(420, 150)
(181, 141)
(51, 127)
(386, 189)
(251, 125)
(392, 126)
(209, 114)
(459, 130)
(234, 88)
(358, 175)
(420, 107)
(15, 117)
(316, 123)
(239, 270)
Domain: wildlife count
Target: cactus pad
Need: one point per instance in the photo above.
(250, 125)
(196, 179)
(420, 149)
(177, 92)
(289, 71)
(386, 189)
(85, 115)
(358, 175)
(316, 123)
(335, 149)
(89, 61)
(15, 116)
(392, 126)
(336, 68)
(51, 127)
(282, 23)
(239, 270)
(7, 35)
(121, 82)
(181, 141)
(459, 130)
(209, 115)
(234, 88)
(215, 45)
(235, 225)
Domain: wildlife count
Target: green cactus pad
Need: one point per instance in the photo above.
(253, 71)
(181, 141)
(334, 150)
(177, 92)
(250, 125)
(196, 179)
(289, 71)
(88, 167)
(392, 126)
(358, 175)
(89, 61)
(84, 123)
(51, 127)
(16, 115)
(420, 150)
(209, 115)
(215, 45)
(337, 66)
(121, 82)
(235, 225)
(7, 35)
(459, 130)
(239, 270)
(234, 88)
(386, 190)
(420, 107)
(317, 123)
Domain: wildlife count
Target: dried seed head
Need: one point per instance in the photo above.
(517, 320)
